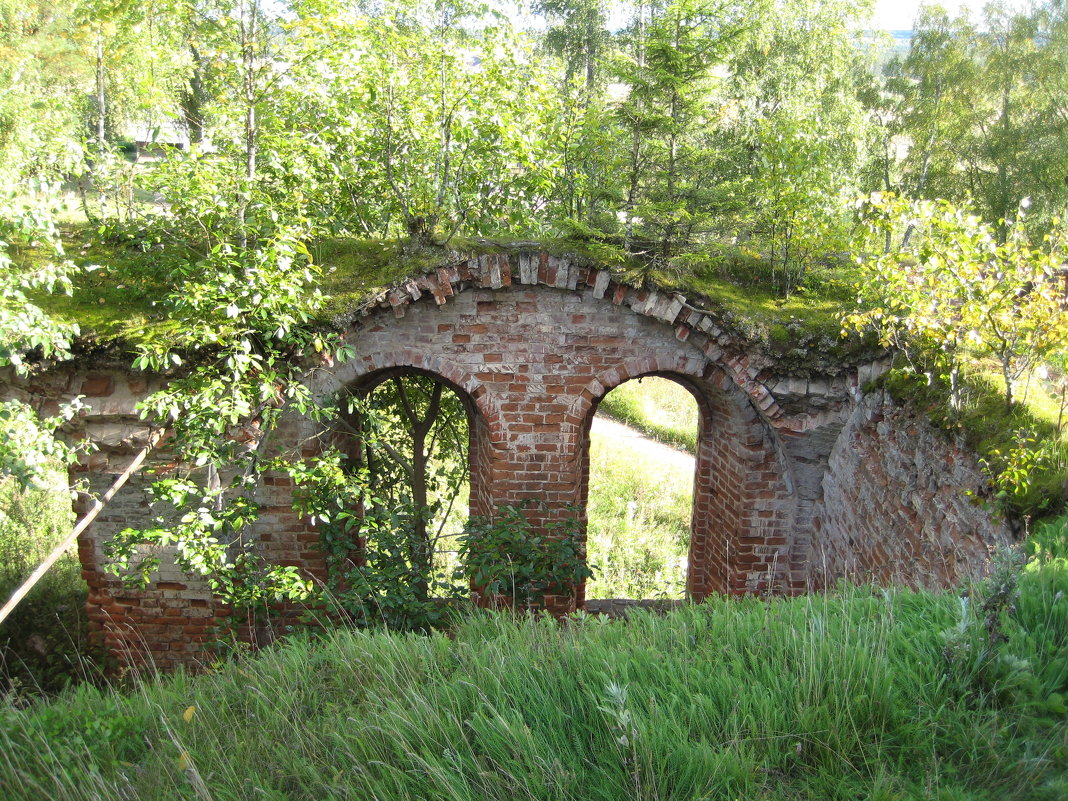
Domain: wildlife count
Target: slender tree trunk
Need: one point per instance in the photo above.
(1064, 401)
(1006, 373)
(420, 545)
(635, 142)
(249, 18)
(193, 100)
(922, 182)
(101, 98)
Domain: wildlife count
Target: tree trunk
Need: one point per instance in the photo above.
(194, 99)
(101, 99)
(249, 18)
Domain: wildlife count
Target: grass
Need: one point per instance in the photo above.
(870, 694)
(114, 304)
(658, 407)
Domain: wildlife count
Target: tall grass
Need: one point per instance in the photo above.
(43, 642)
(639, 509)
(638, 533)
(872, 695)
(658, 407)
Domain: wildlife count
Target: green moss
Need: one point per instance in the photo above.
(120, 302)
(117, 295)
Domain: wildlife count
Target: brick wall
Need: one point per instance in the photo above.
(799, 480)
(902, 503)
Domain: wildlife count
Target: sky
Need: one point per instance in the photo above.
(898, 15)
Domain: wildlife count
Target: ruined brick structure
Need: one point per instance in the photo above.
(798, 481)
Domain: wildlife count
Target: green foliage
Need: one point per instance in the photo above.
(437, 120)
(982, 101)
(29, 334)
(44, 643)
(1049, 542)
(1025, 474)
(509, 562)
(244, 315)
(959, 293)
(389, 513)
(868, 694)
(26, 330)
(671, 166)
(798, 118)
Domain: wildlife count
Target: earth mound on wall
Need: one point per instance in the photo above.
(126, 302)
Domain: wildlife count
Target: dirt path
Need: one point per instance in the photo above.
(656, 452)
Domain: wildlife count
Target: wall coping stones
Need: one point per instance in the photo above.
(778, 396)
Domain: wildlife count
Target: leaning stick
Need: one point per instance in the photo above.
(88, 518)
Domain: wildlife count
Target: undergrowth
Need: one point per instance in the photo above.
(874, 694)
(44, 642)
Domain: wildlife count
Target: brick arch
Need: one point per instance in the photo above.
(743, 506)
(358, 371)
(538, 353)
(686, 370)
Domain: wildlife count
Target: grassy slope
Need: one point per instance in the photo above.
(658, 407)
(122, 299)
(874, 695)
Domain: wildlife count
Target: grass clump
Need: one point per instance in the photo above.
(873, 694)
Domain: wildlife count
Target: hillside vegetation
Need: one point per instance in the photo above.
(246, 171)
(875, 694)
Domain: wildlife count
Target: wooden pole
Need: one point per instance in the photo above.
(83, 524)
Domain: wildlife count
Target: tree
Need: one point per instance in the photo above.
(668, 72)
(41, 106)
(245, 315)
(793, 88)
(408, 480)
(436, 124)
(580, 37)
(959, 293)
(983, 112)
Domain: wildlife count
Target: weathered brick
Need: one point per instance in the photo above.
(780, 486)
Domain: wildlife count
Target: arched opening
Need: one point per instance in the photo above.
(641, 466)
(411, 450)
